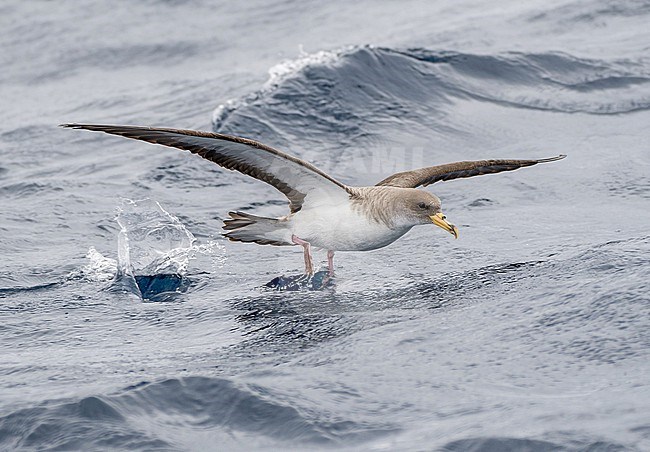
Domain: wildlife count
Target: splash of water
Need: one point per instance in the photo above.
(99, 269)
(151, 241)
(154, 250)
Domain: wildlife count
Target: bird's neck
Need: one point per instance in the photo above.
(379, 204)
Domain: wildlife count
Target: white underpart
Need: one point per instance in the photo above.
(342, 228)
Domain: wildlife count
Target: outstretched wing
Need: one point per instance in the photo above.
(298, 180)
(433, 174)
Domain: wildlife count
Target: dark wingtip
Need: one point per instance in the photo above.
(74, 125)
(552, 159)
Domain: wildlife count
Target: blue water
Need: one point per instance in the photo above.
(530, 332)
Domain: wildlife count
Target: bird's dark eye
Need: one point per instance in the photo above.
(422, 205)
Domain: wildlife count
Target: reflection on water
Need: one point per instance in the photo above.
(318, 281)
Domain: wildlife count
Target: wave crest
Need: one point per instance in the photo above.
(341, 92)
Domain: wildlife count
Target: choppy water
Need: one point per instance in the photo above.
(530, 332)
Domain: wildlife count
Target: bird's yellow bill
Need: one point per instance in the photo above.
(440, 220)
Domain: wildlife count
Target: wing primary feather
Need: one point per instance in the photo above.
(432, 174)
(294, 177)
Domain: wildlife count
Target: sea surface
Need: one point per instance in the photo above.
(531, 332)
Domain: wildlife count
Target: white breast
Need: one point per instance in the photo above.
(342, 228)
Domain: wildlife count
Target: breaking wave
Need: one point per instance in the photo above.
(348, 89)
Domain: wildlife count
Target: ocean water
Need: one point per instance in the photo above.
(531, 332)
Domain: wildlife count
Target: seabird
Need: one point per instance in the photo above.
(324, 213)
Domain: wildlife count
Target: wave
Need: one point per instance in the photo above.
(278, 324)
(115, 57)
(6, 291)
(343, 91)
(157, 415)
(26, 189)
(88, 423)
(277, 75)
(524, 444)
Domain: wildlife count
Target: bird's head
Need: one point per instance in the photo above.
(422, 207)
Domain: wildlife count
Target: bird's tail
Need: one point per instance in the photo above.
(244, 227)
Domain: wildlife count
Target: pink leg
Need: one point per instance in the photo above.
(309, 265)
(330, 262)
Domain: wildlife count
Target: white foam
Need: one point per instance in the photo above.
(214, 250)
(278, 74)
(99, 269)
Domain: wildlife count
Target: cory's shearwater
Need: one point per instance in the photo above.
(324, 212)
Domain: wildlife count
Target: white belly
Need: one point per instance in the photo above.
(342, 229)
